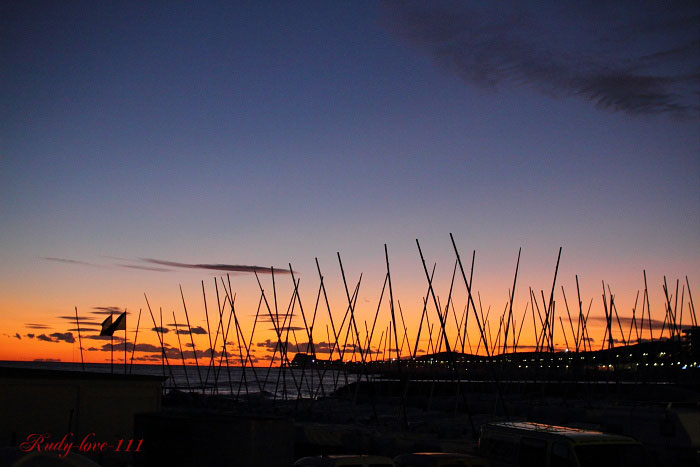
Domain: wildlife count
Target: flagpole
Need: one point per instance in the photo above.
(136, 336)
(111, 347)
(125, 341)
(80, 339)
(162, 346)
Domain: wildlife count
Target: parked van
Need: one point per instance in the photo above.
(530, 444)
(345, 461)
(439, 459)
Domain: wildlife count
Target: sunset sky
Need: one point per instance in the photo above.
(140, 137)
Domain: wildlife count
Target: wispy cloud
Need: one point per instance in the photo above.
(36, 326)
(288, 328)
(278, 318)
(626, 322)
(81, 319)
(218, 267)
(69, 261)
(157, 265)
(638, 58)
(135, 266)
(145, 268)
(106, 310)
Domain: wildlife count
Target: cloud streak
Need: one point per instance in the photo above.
(70, 261)
(218, 267)
(637, 58)
(106, 310)
(626, 322)
(145, 268)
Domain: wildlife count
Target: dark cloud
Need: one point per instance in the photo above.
(31, 336)
(146, 348)
(97, 337)
(18, 336)
(202, 354)
(56, 337)
(218, 267)
(161, 330)
(356, 349)
(47, 360)
(638, 58)
(139, 348)
(170, 352)
(319, 347)
(267, 344)
(195, 330)
(288, 328)
(84, 330)
(65, 337)
(36, 326)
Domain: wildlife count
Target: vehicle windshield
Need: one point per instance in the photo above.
(612, 455)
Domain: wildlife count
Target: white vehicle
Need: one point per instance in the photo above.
(530, 444)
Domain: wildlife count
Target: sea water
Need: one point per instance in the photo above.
(208, 377)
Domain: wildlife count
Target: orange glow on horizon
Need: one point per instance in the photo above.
(408, 309)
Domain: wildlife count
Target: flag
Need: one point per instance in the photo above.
(105, 326)
(108, 327)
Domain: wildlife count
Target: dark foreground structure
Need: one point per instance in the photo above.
(379, 392)
(57, 412)
(117, 420)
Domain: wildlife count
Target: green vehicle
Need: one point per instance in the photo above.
(529, 444)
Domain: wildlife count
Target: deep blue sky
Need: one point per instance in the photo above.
(270, 132)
